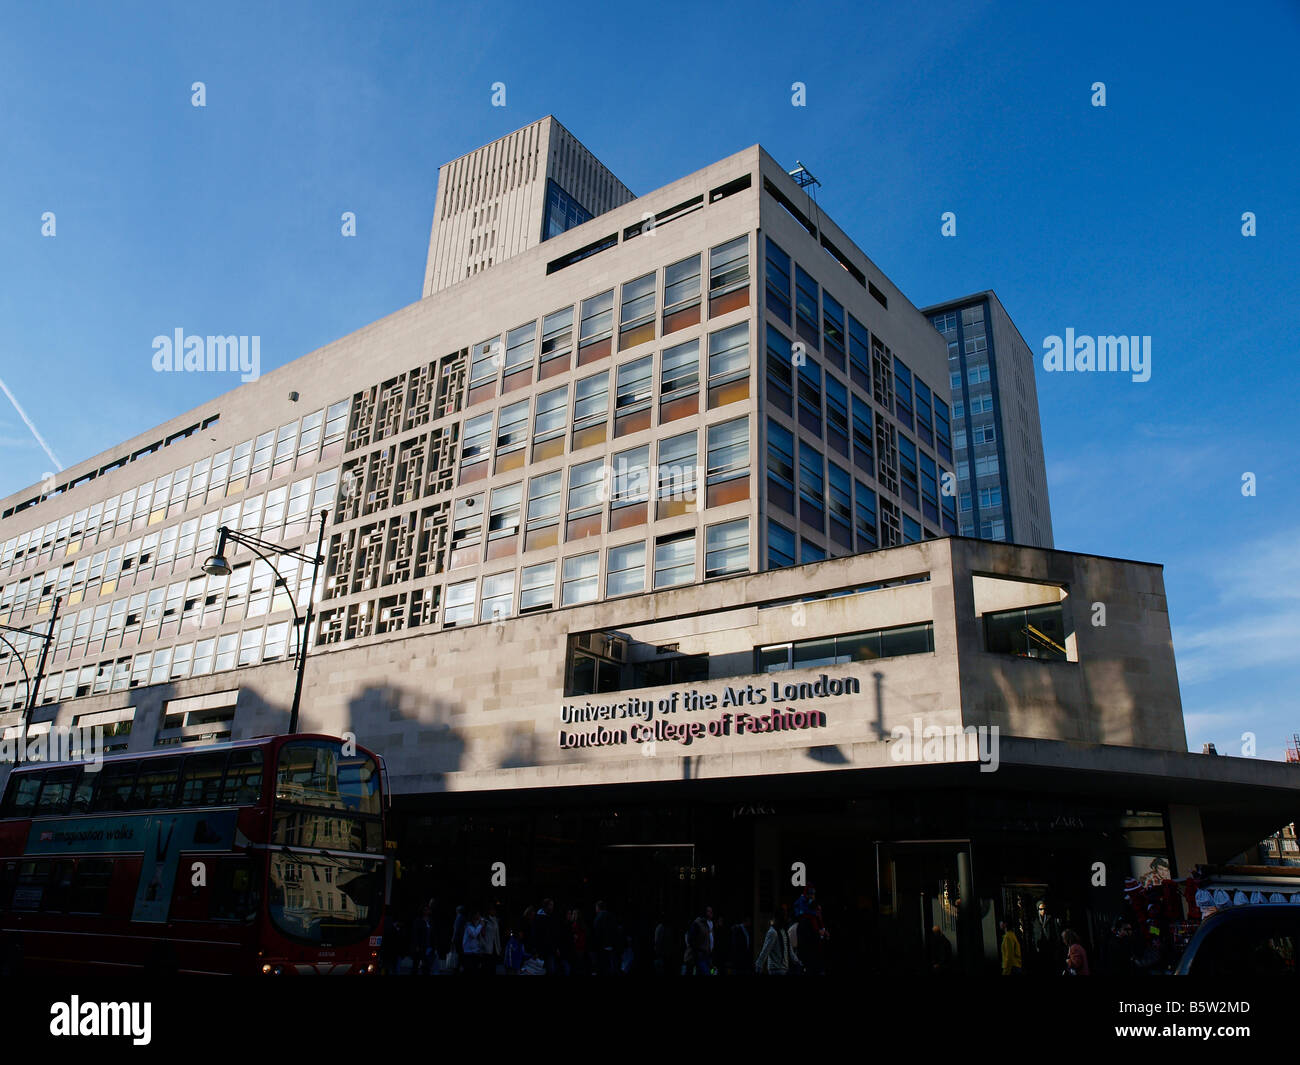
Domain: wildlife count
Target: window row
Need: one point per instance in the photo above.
(295, 445)
(656, 304)
(283, 513)
(639, 393)
(615, 492)
(633, 568)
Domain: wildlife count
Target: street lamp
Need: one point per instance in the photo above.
(218, 566)
(47, 637)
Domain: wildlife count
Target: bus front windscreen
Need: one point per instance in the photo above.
(319, 774)
(325, 900)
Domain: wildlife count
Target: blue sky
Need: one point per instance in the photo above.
(1117, 220)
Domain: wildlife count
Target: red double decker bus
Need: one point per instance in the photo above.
(261, 856)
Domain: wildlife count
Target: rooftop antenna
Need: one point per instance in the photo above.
(803, 177)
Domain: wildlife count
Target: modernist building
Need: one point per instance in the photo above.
(640, 573)
(997, 437)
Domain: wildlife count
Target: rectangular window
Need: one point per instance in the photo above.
(591, 411)
(863, 454)
(466, 531)
(902, 392)
(810, 397)
(907, 471)
(947, 501)
(841, 506)
(729, 276)
(812, 488)
(780, 467)
(512, 436)
(1034, 632)
(810, 552)
(631, 488)
(805, 305)
(942, 437)
(924, 416)
(859, 354)
(543, 511)
(557, 342)
(476, 446)
(549, 424)
(729, 365)
(837, 416)
(597, 328)
(626, 573)
(632, 401)
(929, 488)
(521, 349)
(587, 494)
(865, 518)
(780, 372)
(498, 596)
(833, 325)
(778, 282)
(728, 467)
(581, 579)
(911, 530)
(484, 367)
(682, 295)
(537, 587)
(780, 546)
(503, 521)
(679, 382)
(636, 318)
(678, 458)
(459, 609)
(675, 559)
(726, 548)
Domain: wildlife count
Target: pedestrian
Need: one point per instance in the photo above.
(741, 955)
(422, 944)
(663, 942)
(545, 941)
(698, 957)
(1046, 941)
(938, 952)
(471, 944)
(1076, 958)
(604, 940)
(774, 955)
(491, 942)
(514, 954)
(454, 949)
(1012, 962)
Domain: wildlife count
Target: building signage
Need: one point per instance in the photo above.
(642, 721)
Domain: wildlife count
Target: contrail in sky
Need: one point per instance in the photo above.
(58, 466)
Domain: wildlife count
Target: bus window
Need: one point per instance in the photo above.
(29, 889)
(22, 794)
(316, 773)
(59, 886)
(89, 893)
(114, 792)
(155, 787)
(201, 780)
(83, 795)
(57, 790)
(243, 778)
(234, 891)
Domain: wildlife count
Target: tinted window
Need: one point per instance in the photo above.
(57, 791)
(23, 789)
(201, 779)
(116, 781)
(243, 778)
(155, 787)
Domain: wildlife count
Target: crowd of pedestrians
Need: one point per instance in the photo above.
(543, 941)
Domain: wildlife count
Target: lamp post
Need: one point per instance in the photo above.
(217, 566)
(46, 638)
